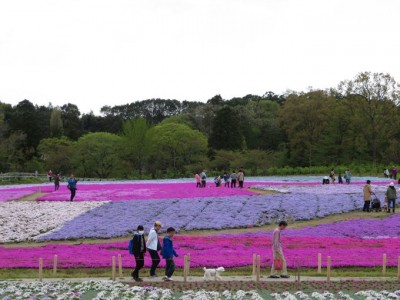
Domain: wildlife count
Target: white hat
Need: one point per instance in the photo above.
(391, 184)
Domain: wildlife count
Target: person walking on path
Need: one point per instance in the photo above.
(347, 176)
(56, 182)
(168, 253)
(394, 172)
(391, 195)
(198, 180)
(153, 246)
(72, 186)
(241, 178)
(277, 252)
(203, 176)
(367, 191)
(233, 179)
(139, 249)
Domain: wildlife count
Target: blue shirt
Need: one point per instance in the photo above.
(72, 183)
(168, 250)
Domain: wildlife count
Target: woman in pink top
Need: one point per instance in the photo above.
(278, 253)
(198, 180)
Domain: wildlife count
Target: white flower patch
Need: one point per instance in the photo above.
(26, 220)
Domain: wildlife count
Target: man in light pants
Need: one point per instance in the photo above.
(278, 253)
(153, 246)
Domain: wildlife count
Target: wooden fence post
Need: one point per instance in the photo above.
(254, 263)
(185, 268)
(188, 264)
(384, 261)
(328, 269)
(113, 269)
(55, 261)
(319, 263)
(398, 268)
(258, 268)
(40, 269)
(119, 265)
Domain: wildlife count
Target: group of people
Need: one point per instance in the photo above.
(229, 180)
(332, 177)
(390, 198)
(392, 174)
(153, 246)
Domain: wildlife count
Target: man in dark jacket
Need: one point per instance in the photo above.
(139, 249)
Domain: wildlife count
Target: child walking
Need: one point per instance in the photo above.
(168, 253)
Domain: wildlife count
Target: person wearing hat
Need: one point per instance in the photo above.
(153, 246)
(391, 195)
(367, 191)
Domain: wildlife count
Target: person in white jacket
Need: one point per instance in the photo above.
(153, 246)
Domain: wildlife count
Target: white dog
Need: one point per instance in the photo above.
(209, 273)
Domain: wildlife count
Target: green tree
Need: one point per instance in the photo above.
(97, 155)
(57, 154)
(70, 116)
(174, 147)
(135, 143)
(56, 125)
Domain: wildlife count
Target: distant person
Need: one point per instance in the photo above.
(198, 180)
(332, 176)
(50, 175)
(391, 195)
(227, 179)
(347, 176)
(153, 246)
(277, 251)
(72, 186)
(325, 180)
(168, 253)
(241, 178)
(386, 173)
(203, 176)
(36, 173)
(340, 179)
(394, 172)
(367, 191)
(56, 182)
(139, 249)
(217, 181)
(233, 179)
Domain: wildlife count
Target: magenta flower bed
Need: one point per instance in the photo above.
(15, 192)
(141, 191)
(213, 251)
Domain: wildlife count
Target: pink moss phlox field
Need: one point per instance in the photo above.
(143, 191)
(214, 251)
(13, 193)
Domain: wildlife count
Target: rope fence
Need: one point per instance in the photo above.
(117, 261)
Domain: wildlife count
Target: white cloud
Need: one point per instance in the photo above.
(94, 53)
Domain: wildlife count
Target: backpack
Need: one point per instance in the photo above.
(130, 247)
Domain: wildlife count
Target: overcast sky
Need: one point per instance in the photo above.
(96, 53)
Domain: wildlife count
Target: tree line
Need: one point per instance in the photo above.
(356, 122)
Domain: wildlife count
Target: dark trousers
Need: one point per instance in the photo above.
(367, 204)
(226, 183)
(198, 184)
(233, 183)
(56, 186)
(203, 183)
(241, 184)
(169, 267)
(139, 264)
(155, 258)
(73, 192)
(391, 204)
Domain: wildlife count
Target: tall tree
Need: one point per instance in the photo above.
(71, 122)
(56, 125)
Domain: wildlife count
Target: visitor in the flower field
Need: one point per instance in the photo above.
(340, 179)
(227, 179)
(391, 195)
(241, 178)
(394, 172)
(139, 249)
(153, 246)
(332, 176)
(72, 186)
(233, 179)
(325, 180)
(217, 181)
(386, 173)
(347, 176)
(203, 176)
(168, 253)
(50, 175)
(367, 191)
(56, 182)
(198, 180)
(278, 253)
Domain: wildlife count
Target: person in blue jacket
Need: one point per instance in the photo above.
(72, 186)
(168, 253)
